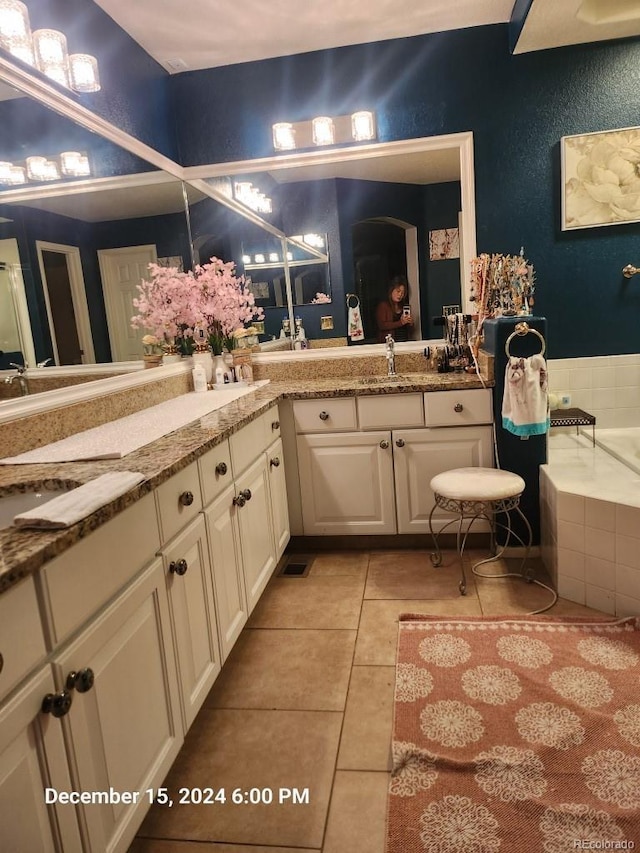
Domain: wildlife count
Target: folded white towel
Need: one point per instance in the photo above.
(525, 403)
(73, 506)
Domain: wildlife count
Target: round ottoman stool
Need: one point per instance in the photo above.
(478, 493)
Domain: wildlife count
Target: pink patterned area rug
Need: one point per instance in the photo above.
(515, 735)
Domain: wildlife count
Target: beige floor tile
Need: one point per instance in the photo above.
(366, 732)
(563, 607)
(294, 670)
(154, 845)
(410, 574)
(322, 602)
(505, 596)
(358, 813)
(252, 749)
(378, 632)
(351, 563)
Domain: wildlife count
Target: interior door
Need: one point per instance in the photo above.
(121, 271)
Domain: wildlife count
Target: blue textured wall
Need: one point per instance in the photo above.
(518, 108)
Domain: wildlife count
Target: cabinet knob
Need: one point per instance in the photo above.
(82, 680)
(239, 500)
(221, 468)
(275, 462)
(178, 567)
(458, 407)
(384, 444)
(275, 425)
(246, 494)
(324, 416)
(57, 704)
(400, 442)
(186, 499)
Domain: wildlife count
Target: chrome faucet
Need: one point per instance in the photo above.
(391, 356)
(20, 377)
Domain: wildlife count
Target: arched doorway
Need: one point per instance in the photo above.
(383, 248)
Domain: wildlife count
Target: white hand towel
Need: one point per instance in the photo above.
(525, 403)
(73, 506)
(354, 318)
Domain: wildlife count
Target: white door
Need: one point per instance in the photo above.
(420, 454)
(121, 271)
(256, 529)
(346, 483)
(278, 492)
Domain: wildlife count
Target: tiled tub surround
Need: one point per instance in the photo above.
(23, 552)
(590, 514)
(607, 386)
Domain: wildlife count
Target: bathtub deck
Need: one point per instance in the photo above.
(590, 515)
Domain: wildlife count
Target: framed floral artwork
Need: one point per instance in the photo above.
(444, 244)
(600, 178)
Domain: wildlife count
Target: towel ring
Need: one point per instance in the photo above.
(522, 329)
(353, 296)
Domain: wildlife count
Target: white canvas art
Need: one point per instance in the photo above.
(600, 178)
(444, 244)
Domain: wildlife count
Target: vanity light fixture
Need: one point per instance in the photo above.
(273, 257)
(46, 50)
(246, 259)
(251, 196)
(323, 130)
(69, 164)
(259, 258)
(284, 136)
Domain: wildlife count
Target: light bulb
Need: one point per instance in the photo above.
(362, 126)
(323, 131)
(83, 73)
(284, 137)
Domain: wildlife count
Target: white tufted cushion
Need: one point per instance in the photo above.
(477, 484)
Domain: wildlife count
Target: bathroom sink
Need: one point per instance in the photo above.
(32, 496)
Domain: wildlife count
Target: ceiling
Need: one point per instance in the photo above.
(216, 33)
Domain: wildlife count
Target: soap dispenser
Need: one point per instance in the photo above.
(199, 379)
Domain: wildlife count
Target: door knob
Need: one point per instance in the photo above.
(178, 567)
(82, 680)
(57, 704)
(186, 498)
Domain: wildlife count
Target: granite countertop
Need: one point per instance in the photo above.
(23, 552)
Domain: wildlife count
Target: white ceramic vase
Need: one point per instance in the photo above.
(206, 360)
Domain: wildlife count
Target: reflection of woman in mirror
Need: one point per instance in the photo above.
(393, 316)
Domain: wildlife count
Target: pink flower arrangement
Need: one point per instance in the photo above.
(209, 302)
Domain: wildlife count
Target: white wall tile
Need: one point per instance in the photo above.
(571, 536)
(601, 573)
(599, 543)
(570, 507)
(603, 398)
(571, 564)
(627, 374)
(571, 589)
(581, 378)
(627, 551)
(601, 599)
(600, 514)
(603, 377)
(627, 606)
(558, 380)
(628, 521)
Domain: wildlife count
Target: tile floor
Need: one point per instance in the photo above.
(305, 702)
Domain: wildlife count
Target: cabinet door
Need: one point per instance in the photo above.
(226, 565)
(346, 483)
(125, 732)
(278, 493)
(193, 616)
(419, 455)
(256, 529)
(32, 758)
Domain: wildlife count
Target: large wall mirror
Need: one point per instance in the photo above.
(384, 209)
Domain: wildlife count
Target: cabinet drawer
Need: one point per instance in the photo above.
(248, 443)
(458, 408)
(215, 472)
(325, 415)
(391, 411)
(179, 501)
(85, 577)
(21, 638)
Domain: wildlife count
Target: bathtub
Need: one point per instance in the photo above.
(623, 444)
(590, 518)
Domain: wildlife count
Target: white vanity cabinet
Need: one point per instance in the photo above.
(365, 463)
